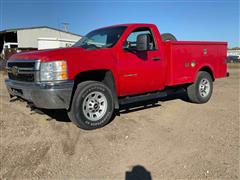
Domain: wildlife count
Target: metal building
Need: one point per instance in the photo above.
(21, 39)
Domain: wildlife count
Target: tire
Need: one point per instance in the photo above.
(201, 90)
(168, 37)
(92, 105)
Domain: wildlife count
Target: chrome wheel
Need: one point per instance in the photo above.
(204, 87)
(94, 106)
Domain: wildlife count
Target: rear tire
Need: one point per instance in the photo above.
(92, 105)
(168, 37)
(201, 90)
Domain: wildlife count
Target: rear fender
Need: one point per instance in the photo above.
(205, 67)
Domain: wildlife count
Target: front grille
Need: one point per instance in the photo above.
(22, 77)
(23, 70)
(22, 64)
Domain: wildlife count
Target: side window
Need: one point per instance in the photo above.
(13, 46)
(132, 38)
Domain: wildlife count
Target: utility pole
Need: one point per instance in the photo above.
(65, 26)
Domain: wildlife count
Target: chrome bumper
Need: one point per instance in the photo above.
(43, 95)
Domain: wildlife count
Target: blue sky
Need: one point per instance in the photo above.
(214, 20)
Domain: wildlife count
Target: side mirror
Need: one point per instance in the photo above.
(143, 41)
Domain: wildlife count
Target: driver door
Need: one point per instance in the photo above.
(139, 71)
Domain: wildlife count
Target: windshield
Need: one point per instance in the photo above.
(101, 38)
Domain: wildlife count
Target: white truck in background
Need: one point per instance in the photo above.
(9, 48)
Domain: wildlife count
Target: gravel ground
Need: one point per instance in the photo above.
(172, 140)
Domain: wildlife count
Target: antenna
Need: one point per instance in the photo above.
(65, 26)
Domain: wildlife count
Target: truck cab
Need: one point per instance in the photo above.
(112, 66)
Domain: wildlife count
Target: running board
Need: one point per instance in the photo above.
(143, 97)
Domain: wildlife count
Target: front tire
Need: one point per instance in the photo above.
(201, 90)
(92, 105)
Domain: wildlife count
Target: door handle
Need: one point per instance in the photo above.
(156, 58)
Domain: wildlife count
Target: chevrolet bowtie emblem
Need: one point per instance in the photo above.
(15, 70)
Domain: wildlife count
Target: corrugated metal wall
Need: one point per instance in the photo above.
(27, 38)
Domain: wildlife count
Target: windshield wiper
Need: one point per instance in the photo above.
(89, 46)
(107, 45)
(81, 42)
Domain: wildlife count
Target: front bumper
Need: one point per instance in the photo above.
(43, 95)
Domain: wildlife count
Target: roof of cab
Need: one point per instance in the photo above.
(128, 25)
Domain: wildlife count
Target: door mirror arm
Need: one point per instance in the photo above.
(127, 47)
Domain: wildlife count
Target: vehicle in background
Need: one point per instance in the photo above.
(233, 59)
(114, 66)
(8, 50)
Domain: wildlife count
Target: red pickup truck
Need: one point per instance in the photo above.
(113, 66)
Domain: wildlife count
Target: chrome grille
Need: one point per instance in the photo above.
(25, 70)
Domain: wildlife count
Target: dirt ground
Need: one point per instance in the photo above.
(171, 140)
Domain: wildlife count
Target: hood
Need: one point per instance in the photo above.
(47, 55)
(78, 59)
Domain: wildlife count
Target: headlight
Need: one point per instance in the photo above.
(53, 71)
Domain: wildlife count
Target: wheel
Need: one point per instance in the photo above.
(168, 37)
(201, 90)
(92, 105)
